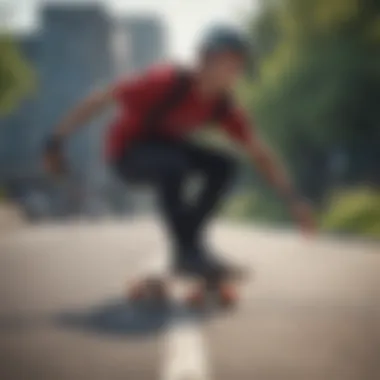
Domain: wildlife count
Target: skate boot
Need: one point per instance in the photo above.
(148, 289)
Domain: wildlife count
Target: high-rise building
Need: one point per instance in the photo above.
(145, 41)
(77, 49)
(71, 55)
(76, 58)
(138, 42)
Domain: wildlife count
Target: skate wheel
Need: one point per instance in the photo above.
(137, 292)
(196, 300)
(159, 295)
(228, 296)
(157, 289)
(151, 291)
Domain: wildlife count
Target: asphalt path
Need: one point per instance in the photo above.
(311, 309)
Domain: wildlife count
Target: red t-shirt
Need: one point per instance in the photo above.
(138, 95)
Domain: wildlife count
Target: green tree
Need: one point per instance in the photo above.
(318, 88)
(17, 79)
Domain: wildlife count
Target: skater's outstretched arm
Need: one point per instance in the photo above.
(82, 113)
(125, 93)
(270, 167)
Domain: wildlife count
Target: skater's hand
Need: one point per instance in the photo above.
(303, 214)
(53, 158)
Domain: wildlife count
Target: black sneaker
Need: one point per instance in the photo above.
(224, 268)
(198, 263)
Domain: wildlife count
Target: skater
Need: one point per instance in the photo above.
(149, 142)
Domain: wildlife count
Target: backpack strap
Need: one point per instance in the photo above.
(175, 95)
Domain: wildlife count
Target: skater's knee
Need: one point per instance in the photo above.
(173, 170)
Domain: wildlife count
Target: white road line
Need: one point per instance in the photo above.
(185, 352)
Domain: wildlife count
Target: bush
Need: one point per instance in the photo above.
(354, 211)
(240, 206)
(256, 206)
(3, 195)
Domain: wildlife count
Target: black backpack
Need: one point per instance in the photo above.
(176, 94)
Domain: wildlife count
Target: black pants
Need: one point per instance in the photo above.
(169, 166)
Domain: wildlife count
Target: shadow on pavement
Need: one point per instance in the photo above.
(18, 322)
(119, 317)
(116, 317)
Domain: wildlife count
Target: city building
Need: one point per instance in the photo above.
(145, 41)
(77, 49)
(76, 58)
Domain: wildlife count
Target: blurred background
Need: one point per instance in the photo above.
(313, 94)
(70, 247)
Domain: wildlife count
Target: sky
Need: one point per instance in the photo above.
(185, 19)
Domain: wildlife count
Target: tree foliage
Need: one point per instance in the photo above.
(16, 76)
(317, 92)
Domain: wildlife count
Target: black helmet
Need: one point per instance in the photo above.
(225, 38)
